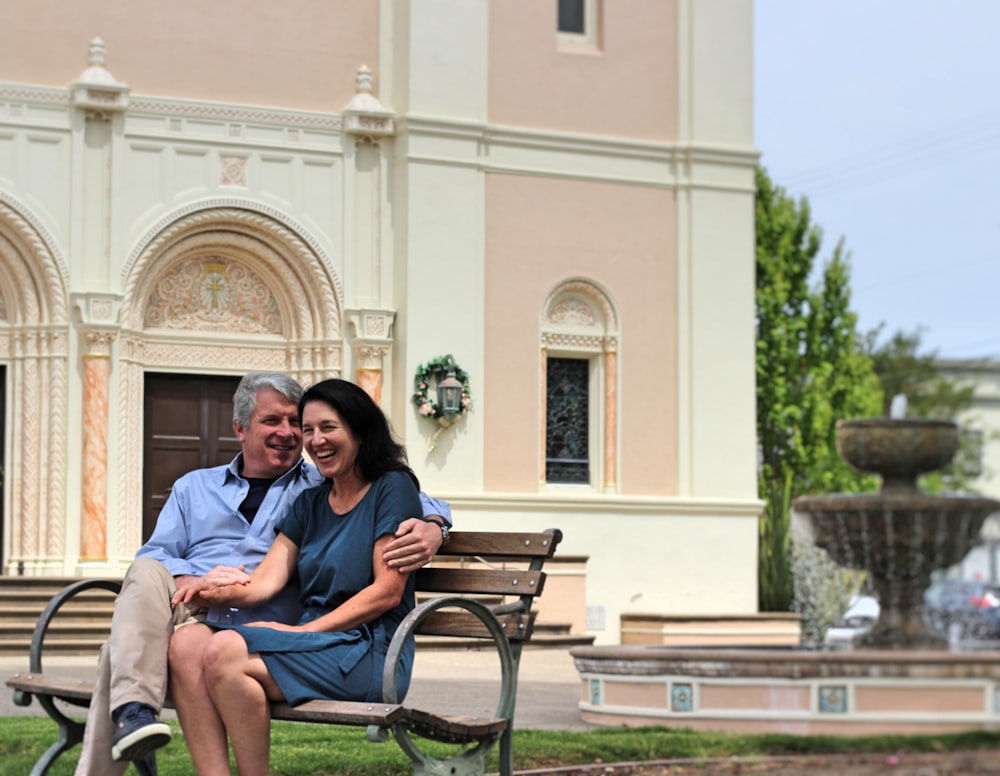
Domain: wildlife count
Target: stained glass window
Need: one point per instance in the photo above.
(567, 424)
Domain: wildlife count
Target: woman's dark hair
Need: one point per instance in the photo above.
(378, 451)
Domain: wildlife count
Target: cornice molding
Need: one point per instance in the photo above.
(159, 106)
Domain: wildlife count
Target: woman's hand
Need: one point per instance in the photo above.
(204, 592)
(227, 575)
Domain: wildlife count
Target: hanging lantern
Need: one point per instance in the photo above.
(449, 393)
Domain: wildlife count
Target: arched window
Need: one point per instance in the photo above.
(579, 347)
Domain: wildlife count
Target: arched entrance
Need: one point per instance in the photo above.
(219, 289)
(33, 351)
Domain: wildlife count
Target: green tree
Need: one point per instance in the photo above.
(904, 367)
(812, 371)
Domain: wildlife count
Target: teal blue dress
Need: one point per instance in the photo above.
(335, 562)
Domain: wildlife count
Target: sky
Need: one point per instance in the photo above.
(885, 115)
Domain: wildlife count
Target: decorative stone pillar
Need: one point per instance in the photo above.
(96, 378)
(369, 371)
(610, 415)
(371, 335)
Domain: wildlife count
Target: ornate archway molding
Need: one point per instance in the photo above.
(222, 286)
(34, 328)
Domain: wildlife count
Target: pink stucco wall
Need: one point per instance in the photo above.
(626, 87)
(539, 233)
(297, 54)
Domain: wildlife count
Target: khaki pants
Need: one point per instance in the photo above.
(133, 662)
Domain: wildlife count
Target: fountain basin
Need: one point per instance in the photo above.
(899, 539)
(796, 691)
(898, 449)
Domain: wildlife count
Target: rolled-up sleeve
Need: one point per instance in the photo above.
(435, 506)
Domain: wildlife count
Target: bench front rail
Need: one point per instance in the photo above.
(480, 586)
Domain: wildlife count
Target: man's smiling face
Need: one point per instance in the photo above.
(272, 441)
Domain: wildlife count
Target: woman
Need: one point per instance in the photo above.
(333, 539)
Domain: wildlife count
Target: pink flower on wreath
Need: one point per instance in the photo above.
(426, 408)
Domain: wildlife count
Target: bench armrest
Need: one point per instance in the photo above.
(54, 605)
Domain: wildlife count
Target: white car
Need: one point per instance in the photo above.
(860, 617)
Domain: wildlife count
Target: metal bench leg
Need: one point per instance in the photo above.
(147, 765)
(70, 734)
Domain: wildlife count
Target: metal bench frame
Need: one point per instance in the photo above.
(508, 626)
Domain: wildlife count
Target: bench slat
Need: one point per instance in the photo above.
(57, 686)
(479, 580)
(339, 712)
(331, 712)
(490, 545)
(450, 728)
(517, 627)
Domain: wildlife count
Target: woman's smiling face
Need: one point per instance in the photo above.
(328, 440)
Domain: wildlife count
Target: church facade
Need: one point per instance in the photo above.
(558, 196)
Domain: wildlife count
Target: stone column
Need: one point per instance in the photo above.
(96, 377)
(369, 371)
(371, 335)
(610, 417)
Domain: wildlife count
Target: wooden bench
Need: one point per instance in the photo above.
(483, 585)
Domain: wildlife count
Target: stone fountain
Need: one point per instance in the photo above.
(901, 534)
(900, 681)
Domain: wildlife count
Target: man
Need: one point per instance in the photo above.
(222, 516)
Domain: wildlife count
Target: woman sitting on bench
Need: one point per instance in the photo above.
(352, 601)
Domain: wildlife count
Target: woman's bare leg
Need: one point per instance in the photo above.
(203, 729)
(241, 686)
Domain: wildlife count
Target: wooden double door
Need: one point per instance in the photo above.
(188, 425)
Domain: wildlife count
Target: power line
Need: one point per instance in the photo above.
(943, 145)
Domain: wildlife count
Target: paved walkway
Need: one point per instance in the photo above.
(457, 682)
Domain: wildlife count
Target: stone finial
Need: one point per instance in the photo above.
(364, 80)
(96, 91)
(364, 115)
(98, 53)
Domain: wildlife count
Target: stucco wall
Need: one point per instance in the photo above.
(539, 233)
(293, 54)
(625, 86)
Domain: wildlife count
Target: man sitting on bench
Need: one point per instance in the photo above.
(221, 516)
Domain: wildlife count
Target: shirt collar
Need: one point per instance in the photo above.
(232, 471)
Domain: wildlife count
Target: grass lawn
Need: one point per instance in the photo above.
(318, 750)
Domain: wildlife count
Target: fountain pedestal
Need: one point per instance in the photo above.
(900, 535)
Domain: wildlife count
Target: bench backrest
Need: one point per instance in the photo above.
(502, 568)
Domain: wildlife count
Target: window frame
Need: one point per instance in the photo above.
(579, 321)
(588, 39)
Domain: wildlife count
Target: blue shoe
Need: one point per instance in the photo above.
(137, 732)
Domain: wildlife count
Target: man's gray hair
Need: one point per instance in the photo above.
(245, 398)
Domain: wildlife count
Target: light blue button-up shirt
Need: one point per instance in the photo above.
(200, 527)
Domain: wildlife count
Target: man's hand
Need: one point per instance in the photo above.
(415, 544)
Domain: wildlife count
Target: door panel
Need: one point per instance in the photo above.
(188, 425)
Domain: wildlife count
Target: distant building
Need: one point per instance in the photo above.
(558, 194)
(982, 422)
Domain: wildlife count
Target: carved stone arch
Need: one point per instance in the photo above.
(278, 307)
(578, 313)
(34, 326)
(291, 252)
(580, 319)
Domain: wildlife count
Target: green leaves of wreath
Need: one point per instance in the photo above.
(432, 372)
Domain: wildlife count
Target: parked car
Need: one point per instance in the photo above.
(861, 615)
(964, 609)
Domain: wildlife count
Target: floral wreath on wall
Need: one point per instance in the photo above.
(436, 370)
